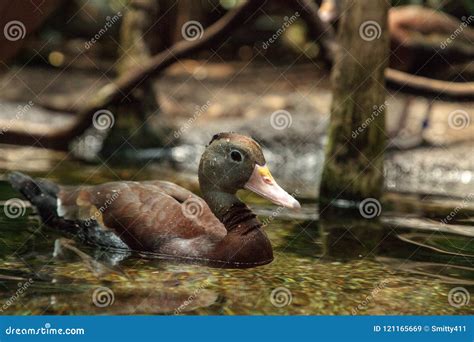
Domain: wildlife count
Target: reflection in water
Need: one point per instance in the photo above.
(450, 274)
(62, 246)
(350, 238)
(121, 301)
(302, 239)
(438, 250)
(433, 226)
(447, 257)
(329, 265)
(445, 244)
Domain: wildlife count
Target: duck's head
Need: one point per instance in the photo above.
(232, 162)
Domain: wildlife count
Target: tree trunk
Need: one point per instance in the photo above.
(353, 168)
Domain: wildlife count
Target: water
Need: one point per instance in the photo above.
(404, 262)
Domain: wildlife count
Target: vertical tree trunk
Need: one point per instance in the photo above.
(353, 169)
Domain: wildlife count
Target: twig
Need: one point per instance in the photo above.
(114, 92)
(422, 84)
(323, 32)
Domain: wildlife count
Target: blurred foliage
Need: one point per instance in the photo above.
(468, 4)
(76, 22)
(457, 8)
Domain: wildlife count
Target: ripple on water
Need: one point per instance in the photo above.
(402, 264)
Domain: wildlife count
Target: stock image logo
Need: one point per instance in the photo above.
(14, 208)
(281, 119)
(192, 30)
(21, 290)
(103, 119)
(459, 297)
(103, 297)
(281, 297)
(459, 119)
(192, 208)
(370, 30)
(370, 208)
(14, 30)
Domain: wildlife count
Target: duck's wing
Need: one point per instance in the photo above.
(152, 216)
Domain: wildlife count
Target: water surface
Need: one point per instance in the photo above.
(404, 262)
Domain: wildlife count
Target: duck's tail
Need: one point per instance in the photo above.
(41, 193)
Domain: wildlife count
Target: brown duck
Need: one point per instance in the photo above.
(164, 218)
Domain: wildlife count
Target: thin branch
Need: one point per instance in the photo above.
(432, 86)
(324, 33)
(114, 92)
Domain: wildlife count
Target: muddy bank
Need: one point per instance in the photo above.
(286, 109)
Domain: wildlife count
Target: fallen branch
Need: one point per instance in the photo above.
(114, 92)
(406, 81)
(324, 33)
(64, 104)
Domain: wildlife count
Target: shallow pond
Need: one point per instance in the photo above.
(406, 261)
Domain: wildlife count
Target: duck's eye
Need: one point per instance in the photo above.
(236, 156)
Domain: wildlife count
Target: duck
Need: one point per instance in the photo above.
(166, 219)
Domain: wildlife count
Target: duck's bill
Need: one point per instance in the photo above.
(262, 183)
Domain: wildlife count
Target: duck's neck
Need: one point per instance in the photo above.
(234, 214)
(245, 245)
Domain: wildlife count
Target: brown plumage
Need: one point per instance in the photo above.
(164, 218)
(147, 216)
